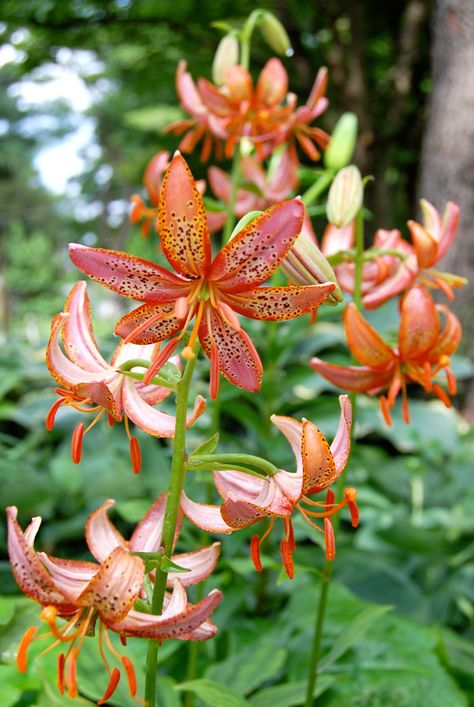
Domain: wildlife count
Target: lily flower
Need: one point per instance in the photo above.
(387, 275)
(91, 385)
(260, 191)
(424, 348)
(248, 499)
(211, 291)
(104, 593)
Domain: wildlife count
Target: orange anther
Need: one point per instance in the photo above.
(72, 674)
(21, 658)
(76, 443)
(255, 553)
(329, 540)
(111, 687)
(385, 410)
(61, 664)
(131, 677)
(214, 373)
(49, 614)
(287, 559)
(350, 494)
(330, 499)
(51, 416)
(135, 455)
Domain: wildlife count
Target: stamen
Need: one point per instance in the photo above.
(111, 687)
(76, 443)
(385, 410)
(287, 559)
(329, 540)
(255, 553)
(26, 641)
(101, 648)
(394, 389)
(188, 352)
(61, 664)
(350, 495)
(161, 358)
(405, 408)
(131, 677)
(290, 535)
(452, 382)
(135, 455)
(442, 395)
(51, 416)
(72, 674)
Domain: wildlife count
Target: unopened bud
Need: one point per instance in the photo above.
(275, 34)
(227, 55)
(305, 264)
(345, 197)
(343, 139)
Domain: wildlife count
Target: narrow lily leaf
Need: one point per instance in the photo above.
(244, 221)
(208, 446)
(292, 694)
(213, 694)
(168, 565)
(351, 635)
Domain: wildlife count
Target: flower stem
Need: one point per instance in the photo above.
(177, 475)
(234, 181)
(319, 187)
(327, 568)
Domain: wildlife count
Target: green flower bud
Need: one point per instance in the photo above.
(275, 34)
(343, 139)
(345, 197)
(227, 54)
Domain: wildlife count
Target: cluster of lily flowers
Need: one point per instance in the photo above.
(196, 305)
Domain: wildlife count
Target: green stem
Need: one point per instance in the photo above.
(327, 569)
(318, 188)
(177, 475)
(246, 36)
(234, 180)
(243, 459)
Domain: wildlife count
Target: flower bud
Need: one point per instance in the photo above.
(345, 197)
(275, 34)
(227, 54)
(304, 264)
(343, 139)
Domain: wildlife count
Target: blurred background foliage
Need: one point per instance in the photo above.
(401, 615)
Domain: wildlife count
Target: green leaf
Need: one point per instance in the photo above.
(291, 694)
(352, 634)
(152, 119)
(213, 693)
(246, 670)
(208, 446)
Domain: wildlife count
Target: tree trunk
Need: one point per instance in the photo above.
(447, 165)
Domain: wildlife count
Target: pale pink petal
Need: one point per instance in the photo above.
(78, 336)
(72, 576)
(200, 564)
(246, 486)
(341, 443)
(188, 93)
(147, 534)
(336, 239)
(204, 516)
(101, 534)
(293, 431)
(450, 225)
(151, 420)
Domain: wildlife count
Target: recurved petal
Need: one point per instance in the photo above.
(319, 470)
(419, 323)
(341, 443)
(279, 303)
(426, 247)
(116, 585)
(128, 275)
(293, 431)
(200, 564)
(188, 93)
(245, 486)
(30, 575)
(162, 323)
(252, 256)
(204, 516)
(101, 534)
(357, 379)
(78, 336)
(450, 335)
(364, 342)
(239, 362)
(450, 225)
(177, 625)
(272, 84)
(72, 576)
(150, 419)
(336, 239)
(147, 534)
(184, 235)
(402, 278)
(238, 84)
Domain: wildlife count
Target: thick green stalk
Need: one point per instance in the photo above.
(317, 188)
(177, 474)
(327, 569)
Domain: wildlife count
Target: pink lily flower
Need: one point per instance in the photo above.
(91, 385)
(105, 592)
(424, 348)
(213, 291)
(266, 190)
(386, 276)
(248, 499)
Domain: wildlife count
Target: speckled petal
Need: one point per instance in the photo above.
(200, 564)
(163, 323)
(253, 255)
(357, 379)
(279, 303)
(419, 323)
(78, 336)
(366, 345)
(319, 470)
(101, 534)
(341, 444)
(30, 575)
(239, 362)
(72, 576)
(150, 419)
(116, 585)
(184, 235)
(128, 275)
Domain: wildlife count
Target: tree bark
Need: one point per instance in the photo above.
(447, 165)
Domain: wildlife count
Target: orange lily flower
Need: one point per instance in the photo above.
(211, 291)
(424, 348)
